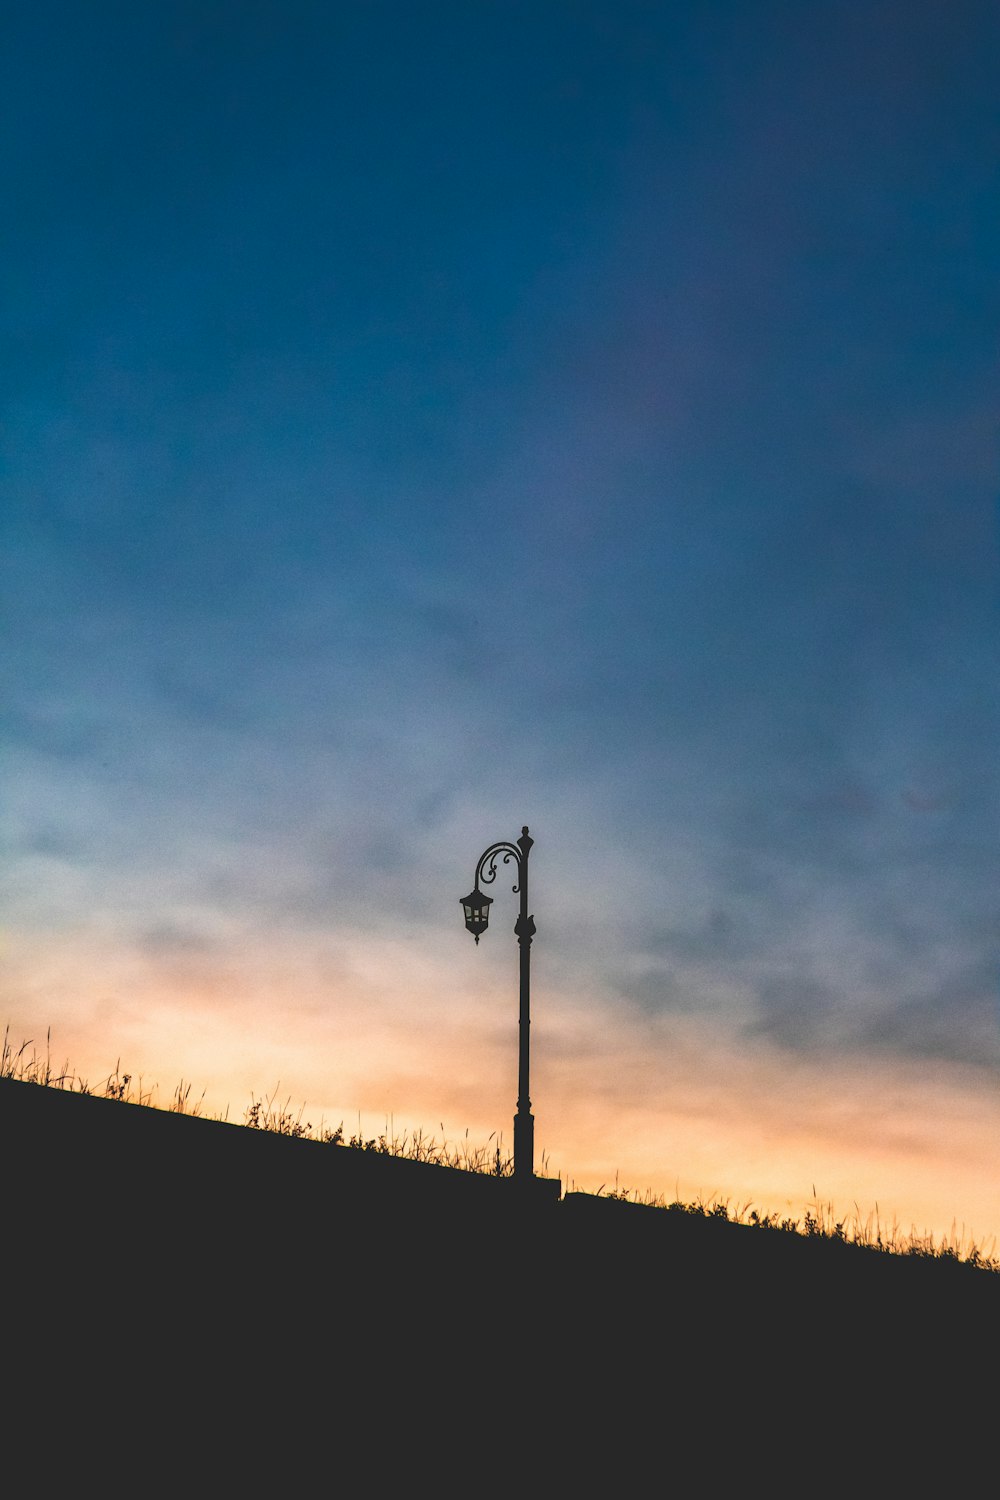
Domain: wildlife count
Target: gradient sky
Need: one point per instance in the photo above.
(423, 419)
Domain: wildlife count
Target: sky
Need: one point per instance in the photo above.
(426, 419)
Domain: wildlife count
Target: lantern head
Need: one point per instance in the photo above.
(477, 912)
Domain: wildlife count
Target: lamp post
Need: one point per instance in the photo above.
(477, 916)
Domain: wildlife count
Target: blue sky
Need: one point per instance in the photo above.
(424, 419)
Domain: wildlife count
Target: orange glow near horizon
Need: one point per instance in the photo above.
(363, 1031)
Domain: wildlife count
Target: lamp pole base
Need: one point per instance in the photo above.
(524, 1144)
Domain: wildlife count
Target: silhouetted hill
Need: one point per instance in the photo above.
(288, 1262)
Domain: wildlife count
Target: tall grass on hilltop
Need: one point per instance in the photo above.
(264, 1114)
(27, 1065)
(30, 1067)
(819, 1221)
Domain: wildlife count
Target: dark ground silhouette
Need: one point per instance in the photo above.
(184, 1285)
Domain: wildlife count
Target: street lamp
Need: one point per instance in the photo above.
(477, 915)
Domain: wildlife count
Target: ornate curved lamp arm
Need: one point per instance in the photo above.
(486, 870)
